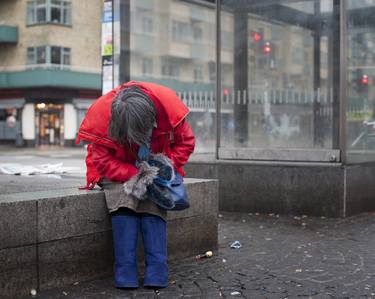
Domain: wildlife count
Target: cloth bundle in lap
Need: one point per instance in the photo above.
(157, 171)
(137, 185)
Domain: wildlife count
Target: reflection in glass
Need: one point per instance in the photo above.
(360, 84)
(172, 43)
(277, 74)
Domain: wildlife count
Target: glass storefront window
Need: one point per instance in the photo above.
(171, 43)
(9, 123)
(360, 115)
(281, 95)
(277, 70)
(49, 120)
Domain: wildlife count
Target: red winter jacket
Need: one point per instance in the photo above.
(106, 158)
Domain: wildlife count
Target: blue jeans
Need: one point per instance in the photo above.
(125, 228)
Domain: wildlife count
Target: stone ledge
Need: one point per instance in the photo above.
(297, 188)
(55, 237)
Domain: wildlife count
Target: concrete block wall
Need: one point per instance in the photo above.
(57, 237)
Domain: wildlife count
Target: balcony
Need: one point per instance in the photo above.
(8, 34)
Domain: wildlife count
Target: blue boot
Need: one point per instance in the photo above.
(125, 237)
(155, 246)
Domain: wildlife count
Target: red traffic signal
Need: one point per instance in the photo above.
(364, 79)
(267, 48)
(256, 36)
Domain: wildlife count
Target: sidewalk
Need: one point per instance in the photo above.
(280, 257)
(73, 158)
(44, 151)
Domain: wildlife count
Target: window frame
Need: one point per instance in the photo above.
(170, 69)
(147, 66)
(197, 33)
(64, 7)
(32, 60)
(180, 31)
(147, 25)
(198, 73)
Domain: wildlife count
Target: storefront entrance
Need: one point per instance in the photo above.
(49, 123)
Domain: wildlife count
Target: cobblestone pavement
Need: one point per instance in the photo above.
(280, 257)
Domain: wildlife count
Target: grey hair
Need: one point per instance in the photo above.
(133, 116)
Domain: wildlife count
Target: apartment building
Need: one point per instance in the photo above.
(50, 68)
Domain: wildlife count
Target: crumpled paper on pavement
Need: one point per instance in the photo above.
(20, 169)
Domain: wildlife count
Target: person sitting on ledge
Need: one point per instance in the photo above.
(122, 128)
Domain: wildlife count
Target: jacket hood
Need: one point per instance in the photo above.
(170, 111)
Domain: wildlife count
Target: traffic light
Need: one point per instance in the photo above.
(268, 55)
(256, 36)
(364, 79)
(264, 50)
(256, 39)
(361, 81)
(363, 84)
(267, 49)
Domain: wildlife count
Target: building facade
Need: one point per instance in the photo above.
(50, 68)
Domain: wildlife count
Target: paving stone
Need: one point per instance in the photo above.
(326, 258)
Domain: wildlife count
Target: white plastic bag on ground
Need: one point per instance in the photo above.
(19, 169)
